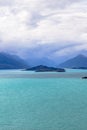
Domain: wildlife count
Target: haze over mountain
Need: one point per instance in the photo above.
(8, 61)
(40, 61)
(76, 62)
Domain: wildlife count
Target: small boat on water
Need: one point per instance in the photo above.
(84, 77)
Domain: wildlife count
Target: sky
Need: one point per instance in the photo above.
(50, 29)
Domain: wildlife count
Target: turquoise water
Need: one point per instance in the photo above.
(43, 104)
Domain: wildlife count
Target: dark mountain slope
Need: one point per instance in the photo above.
(8, 61)
(76, 62)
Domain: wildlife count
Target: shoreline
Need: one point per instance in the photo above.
(45, 75)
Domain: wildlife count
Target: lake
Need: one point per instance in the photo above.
(43, 101)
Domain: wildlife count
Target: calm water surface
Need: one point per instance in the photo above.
(42, 103)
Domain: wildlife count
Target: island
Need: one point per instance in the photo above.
(42, 68)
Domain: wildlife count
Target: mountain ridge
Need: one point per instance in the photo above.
(9, 61)
(77, 61)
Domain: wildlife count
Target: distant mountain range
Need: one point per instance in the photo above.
(8, 61)
(80, 61)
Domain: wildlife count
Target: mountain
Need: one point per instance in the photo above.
(8, 61)
(42, 68)
(34, 61)
(80, 61)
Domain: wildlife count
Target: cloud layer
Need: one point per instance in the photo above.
(60, 25)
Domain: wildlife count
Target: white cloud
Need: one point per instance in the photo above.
(33, 22)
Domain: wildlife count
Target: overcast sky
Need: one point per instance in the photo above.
(54, 28)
